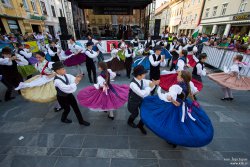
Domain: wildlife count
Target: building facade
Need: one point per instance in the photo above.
(21, 16)
(191, 16)
(226, 18)
(176, 11)
(163, 13)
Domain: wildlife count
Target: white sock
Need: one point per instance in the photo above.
(111, 113)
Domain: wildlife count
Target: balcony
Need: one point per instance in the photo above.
(34, 17)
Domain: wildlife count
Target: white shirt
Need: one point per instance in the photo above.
(114, 53)
(131, 54)
(22, 62)
(175, 90)
(145, 90)
(233, 68)
(195, 49)
(5, 61)
(179, 49)
(70, 88)
(156, 63)
(76, 48)
(99, 46)
(101, 80)
(200, 71)
(180, 65)
(91, 55)
(25, 54)
(40, 65)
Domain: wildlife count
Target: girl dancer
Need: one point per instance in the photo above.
(175, 50)
(231, 78)
(144, 61)
(40, 88)
(115, 63)
(77, 55)
(10, 74)
(53, 51)
(104, 96)
(175, 118)
(192, 49)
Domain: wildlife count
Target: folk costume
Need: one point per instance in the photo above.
(115, 63)
(129, 54)
(77, 55)
(192, 49)
(185, 125)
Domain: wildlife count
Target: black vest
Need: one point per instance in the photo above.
(133, 97)
(59, 92)
(136, 43)
(10, 71)
(130, 52)
(149, 43)
(190, 48)
(195, 68)
(18, 51)
(54, 49)
(88, 59)
(155, 70)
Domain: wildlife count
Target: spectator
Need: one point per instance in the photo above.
(224, 43)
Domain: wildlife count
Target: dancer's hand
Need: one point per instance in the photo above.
(78, 79)
(156, 82)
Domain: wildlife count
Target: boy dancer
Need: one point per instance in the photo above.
(129, 54)
(139, 88)
(65, 86)
(90, 62)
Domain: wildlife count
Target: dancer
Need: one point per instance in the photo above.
(199, 69)
(115, 63)
(175, 50)
(192, 50)
(53, 51)
(144, 60)
(130, 54)
(232, 79)
(90, 65)
(136, 42)
(28, 70)
(101, 49)
(175, 118)
(40, 88)
(104, 96)
(149, 42)
(66, 85)
(139, 89)
(156, 61)
(10, 75)
(77, 55)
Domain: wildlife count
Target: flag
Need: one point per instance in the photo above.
(196, 32)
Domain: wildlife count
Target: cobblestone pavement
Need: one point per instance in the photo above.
(49, 143)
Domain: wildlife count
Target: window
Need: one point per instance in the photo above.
(43, 7)
(53, 11)
(214, 11)
(61, 13)
(224, 8)
(25, 5)
(195, 17)
(33, 4)
(207, 13)
(6, 3)
(243, 6)
(193, 1)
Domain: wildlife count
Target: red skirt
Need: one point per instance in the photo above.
(167, 80)
(191, 60)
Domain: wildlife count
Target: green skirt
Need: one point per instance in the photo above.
(26, 70)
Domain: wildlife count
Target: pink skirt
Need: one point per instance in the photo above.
(97, 100)
(191, 60)
(232, 81)
(68, 52)
(75, 60)
(167, 80)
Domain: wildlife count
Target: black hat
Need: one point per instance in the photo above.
(157, 47)
(89, 44)
(57, 65)
(139, 70)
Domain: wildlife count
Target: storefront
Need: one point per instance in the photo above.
(11, 25)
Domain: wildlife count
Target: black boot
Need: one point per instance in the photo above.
(141, 127)
(131, 122)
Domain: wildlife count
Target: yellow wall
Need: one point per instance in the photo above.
(23, 18)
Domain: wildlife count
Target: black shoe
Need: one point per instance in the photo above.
(143, 130)
(105, 111)
(9, 99)
(85, 123)
(230, 99)
(132, 124)
(118, 75)
(58, 109)
(91, 81)
(224, 99)
(67, 121)
(111, 117)
(173, 145)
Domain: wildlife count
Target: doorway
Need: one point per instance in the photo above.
(35, 28)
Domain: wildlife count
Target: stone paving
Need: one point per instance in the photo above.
(49, 143)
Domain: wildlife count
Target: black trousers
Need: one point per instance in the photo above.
(134, 109)
(9, 89)
(155, 77)
(55, 58)
(91, 69)
(11, 83)
(128, 65)
(69, 101)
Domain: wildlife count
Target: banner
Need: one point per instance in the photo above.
(109, 43)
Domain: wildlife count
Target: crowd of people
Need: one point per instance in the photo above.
(166, 101)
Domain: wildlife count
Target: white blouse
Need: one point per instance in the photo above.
(39, 66)
(101, 81)
(233, 68)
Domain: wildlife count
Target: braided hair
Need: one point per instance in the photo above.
(187, 76)
(104, 68)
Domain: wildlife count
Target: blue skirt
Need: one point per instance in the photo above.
(166, 53)
(48, 57)
(164, 119)
(144, 61)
